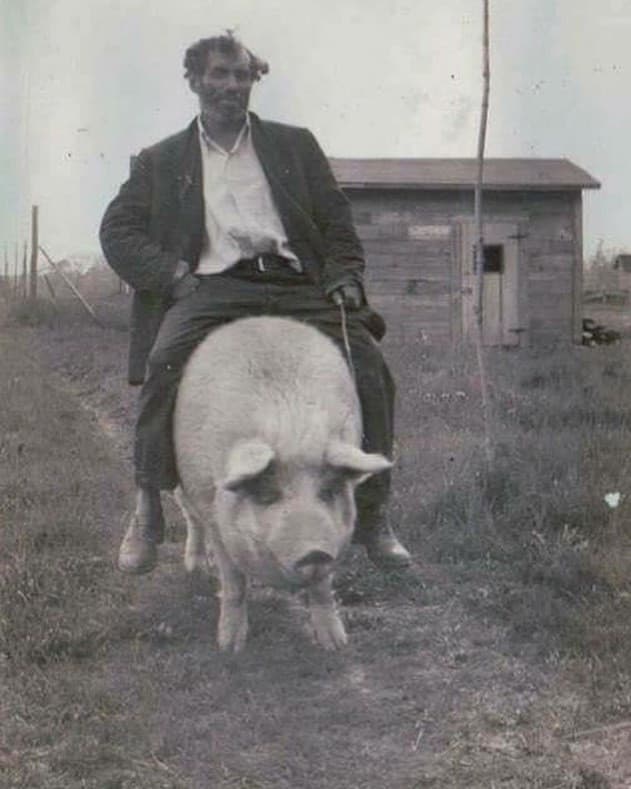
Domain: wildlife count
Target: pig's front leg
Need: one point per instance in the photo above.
(195, 553)
(327, 625)
(233, 616)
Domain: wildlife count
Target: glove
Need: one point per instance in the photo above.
(184, 283)
(350, 296)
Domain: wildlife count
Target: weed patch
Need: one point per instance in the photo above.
(561, 435)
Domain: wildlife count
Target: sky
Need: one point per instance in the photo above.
(86, 83)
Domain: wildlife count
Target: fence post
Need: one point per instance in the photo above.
(16, 270)
(7, 280)
(34, 251)
(24, 274)
(51, 290)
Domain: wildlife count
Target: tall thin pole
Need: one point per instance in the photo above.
(479, 246)
(34, 251)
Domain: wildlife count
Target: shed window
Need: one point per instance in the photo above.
(493, 259)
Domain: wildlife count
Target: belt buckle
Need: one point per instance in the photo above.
(260, 265)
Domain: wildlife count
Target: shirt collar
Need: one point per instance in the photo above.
(210, 143)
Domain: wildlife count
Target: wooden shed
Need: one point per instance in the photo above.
(415, 219)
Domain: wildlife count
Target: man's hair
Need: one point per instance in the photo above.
(196, 56)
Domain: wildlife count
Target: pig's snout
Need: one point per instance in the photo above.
(306, 544)
(315, 557)
(313, 566)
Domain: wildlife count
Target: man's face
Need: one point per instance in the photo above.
(224, 88)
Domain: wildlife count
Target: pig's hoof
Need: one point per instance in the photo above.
(328, 629)
(233, 631)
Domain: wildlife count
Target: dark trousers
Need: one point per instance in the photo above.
(240, 292)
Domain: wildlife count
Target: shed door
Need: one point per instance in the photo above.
(500, 303)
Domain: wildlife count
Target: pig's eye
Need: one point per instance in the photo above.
(263, 489)
(332, 488)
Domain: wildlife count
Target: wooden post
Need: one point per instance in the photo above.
(51, 290)
(7, 280)
(34, 251)
(16, 270)
(24, 273)
(479, 245)
(49, 284)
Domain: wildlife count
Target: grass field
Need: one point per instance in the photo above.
(500, 660)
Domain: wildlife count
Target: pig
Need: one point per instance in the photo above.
(267, 432)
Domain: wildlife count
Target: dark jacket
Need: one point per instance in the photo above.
(157, 218)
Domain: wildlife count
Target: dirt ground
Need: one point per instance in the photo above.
(432, 690)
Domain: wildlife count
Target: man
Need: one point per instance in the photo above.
(236, 216)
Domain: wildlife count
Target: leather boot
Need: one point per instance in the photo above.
(138, 552)
(382, 546)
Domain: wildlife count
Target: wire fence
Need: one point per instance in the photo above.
(28, 272)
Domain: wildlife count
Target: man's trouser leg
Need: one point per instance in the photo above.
(376, 392)
(154, 458)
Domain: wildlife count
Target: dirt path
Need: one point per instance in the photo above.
(431, 691)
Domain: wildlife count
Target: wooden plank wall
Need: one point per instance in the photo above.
(552, 256)
(413, 268)
(409, 245)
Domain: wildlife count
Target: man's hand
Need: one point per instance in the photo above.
(350, 296)
(184, 283)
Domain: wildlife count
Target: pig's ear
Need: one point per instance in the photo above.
(354, 461)
(246, 461)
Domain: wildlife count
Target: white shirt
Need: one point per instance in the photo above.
(240, 216)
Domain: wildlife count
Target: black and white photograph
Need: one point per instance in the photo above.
(315, 394)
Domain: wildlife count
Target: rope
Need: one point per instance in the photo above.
(347, 345)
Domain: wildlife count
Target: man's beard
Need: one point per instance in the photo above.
(230, 108)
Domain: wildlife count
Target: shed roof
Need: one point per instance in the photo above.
(499, 174)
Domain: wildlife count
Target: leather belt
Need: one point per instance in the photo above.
(267, 262)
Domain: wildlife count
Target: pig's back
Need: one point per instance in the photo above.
(270, 378)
